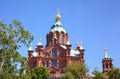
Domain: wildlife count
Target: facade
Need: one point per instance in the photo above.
(57, 52)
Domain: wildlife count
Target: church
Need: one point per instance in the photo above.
(58, 53)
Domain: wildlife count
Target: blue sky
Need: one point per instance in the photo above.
(95, 22)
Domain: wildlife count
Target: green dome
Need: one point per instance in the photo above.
(58, 25)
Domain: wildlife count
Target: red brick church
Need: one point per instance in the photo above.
(58, 53)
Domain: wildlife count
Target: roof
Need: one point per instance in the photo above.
(30, 48)
(74, 53)
(79, 44)
(40, 42)
(63, 46)
(106, 56)
(58, 25)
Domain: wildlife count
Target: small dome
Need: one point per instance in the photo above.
(74, 53)
(79, 44)
(58, 28)
(106, 56)
(30, 48)
(40, 42)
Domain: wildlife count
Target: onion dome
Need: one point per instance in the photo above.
(79, 44)
(68, 41)
(40, 42)
(58, 25)
(74, 53)
(106, 56)
(30, 48)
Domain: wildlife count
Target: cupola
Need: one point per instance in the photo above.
(57, 34)
(58, 25)
(106, 56)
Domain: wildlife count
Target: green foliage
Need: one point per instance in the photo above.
(98, 75)
(68, 75)
(77, 70)
(114, 73)
(12, 37)
(40, 73)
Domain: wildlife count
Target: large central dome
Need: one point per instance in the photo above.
(58, 25)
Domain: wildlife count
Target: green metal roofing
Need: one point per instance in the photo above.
(106, 56)
(40, 42)
(58, 26)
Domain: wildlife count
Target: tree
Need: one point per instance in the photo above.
(98, 75)
(12, 37)
(77, 70)
(40, 73)
(68, 75)
(114, 73)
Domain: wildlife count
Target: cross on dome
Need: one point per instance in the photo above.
(58, 15)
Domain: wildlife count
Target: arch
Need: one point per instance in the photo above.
(106, 66)
(54, 53)
(54, 63)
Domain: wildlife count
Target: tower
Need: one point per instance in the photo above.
(57, 53)
(57, 33)
(106, 62)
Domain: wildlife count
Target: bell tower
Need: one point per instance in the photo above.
(106, 62)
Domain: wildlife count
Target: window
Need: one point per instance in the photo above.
(54, 53)
(34, 64)
(61, 38)
(107, 66)
(47, 64)
(43, 63)
(54, 63)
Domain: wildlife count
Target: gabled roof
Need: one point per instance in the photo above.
(74, 53)
(57, 45)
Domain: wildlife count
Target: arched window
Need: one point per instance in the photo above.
(54, 53)
(47, 64)
(107, 66)
(54, 63)
(61, 38)
(34, 64)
